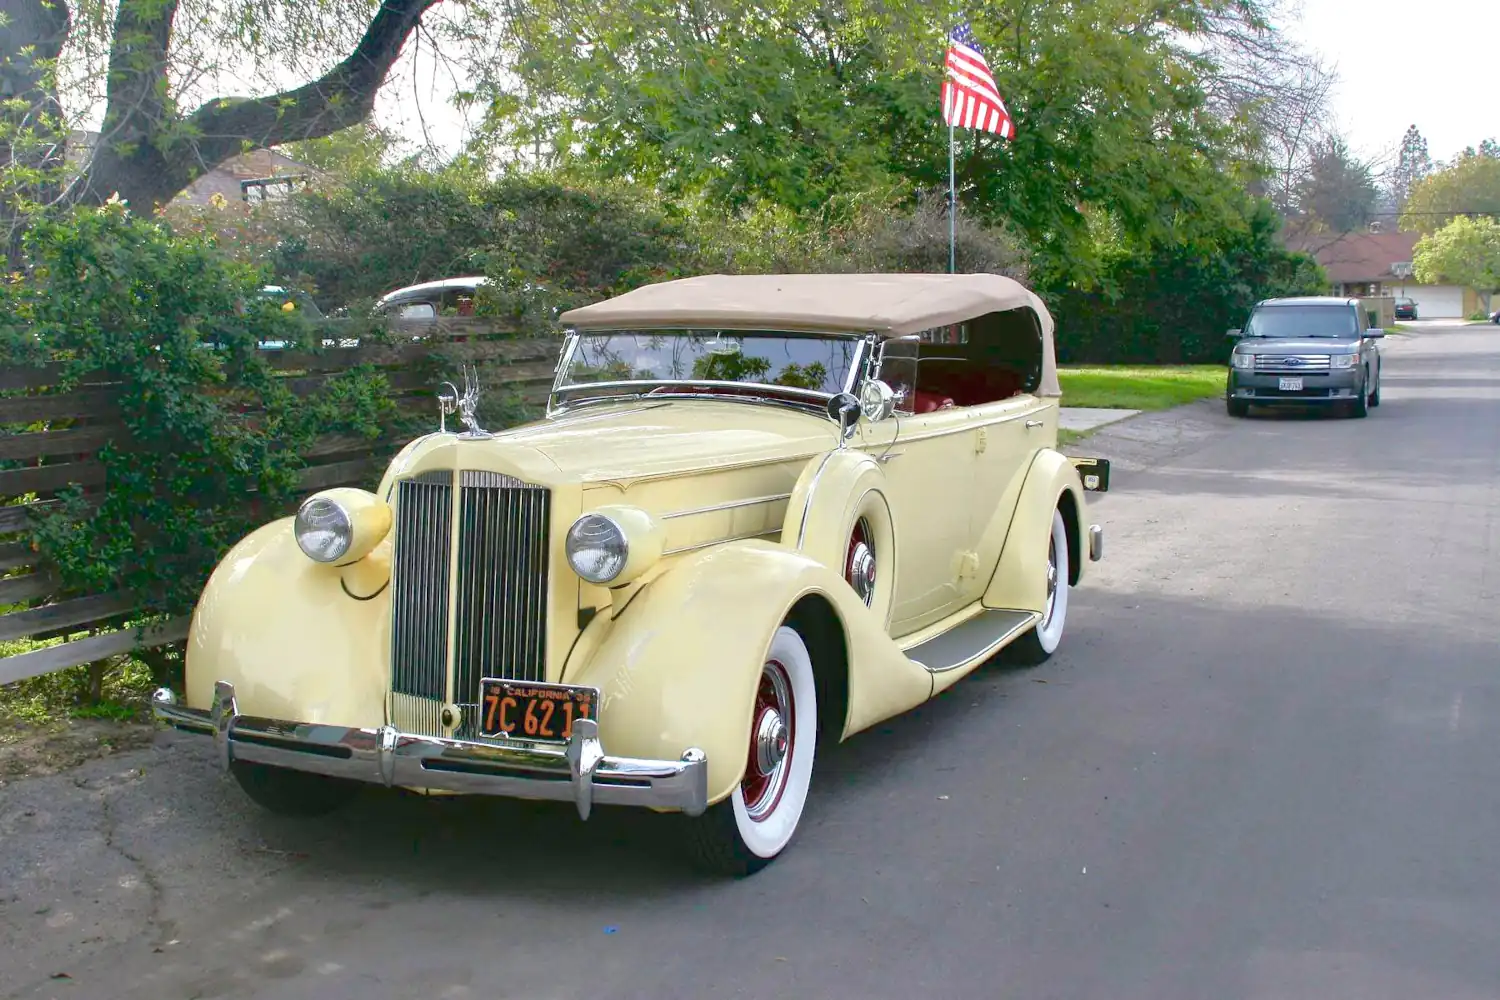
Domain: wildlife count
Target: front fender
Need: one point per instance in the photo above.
(284, 631)
(1019, 581)
(678, 666)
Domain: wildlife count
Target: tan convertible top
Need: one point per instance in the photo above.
(893, 305)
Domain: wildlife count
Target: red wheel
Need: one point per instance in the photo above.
(772, 731)
(746, 831)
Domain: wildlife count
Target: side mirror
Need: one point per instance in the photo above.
(877, 400)
(844, 409)
(1374, 334)
(1232, 334)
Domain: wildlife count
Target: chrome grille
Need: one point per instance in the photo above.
(1293, 364)
(419, 586)
(501, 625)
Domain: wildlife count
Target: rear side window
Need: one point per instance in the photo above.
(1303, 321)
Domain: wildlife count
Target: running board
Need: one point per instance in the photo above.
(977, 638)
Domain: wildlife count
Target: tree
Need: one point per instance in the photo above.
(1336, 194)
(141, 59)
(1412, 164)
(1466, 252)
(32, 35)
(741, 102)
(1470, 186)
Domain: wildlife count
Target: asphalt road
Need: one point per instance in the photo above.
(1264, 765)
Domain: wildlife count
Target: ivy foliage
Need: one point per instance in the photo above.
(213, 434)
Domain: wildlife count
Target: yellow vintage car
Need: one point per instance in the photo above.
(762, 512)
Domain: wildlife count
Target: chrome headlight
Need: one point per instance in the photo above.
(614, 544)
(341, 525)
(324, 529)
(597, 548)
(1242, 361)
(1345, 360)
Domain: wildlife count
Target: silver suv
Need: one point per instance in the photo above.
(1305, 351)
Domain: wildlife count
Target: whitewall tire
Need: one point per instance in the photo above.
(746, 831)
(1042, 640)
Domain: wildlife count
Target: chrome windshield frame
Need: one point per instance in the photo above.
(775, 395)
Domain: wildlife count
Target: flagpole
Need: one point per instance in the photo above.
(952, 207)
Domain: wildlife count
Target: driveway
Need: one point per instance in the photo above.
(1264, 765)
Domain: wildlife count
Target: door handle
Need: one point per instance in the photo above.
(1033, 423)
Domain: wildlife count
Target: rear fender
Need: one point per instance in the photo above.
(678, 666)
(1020, 581)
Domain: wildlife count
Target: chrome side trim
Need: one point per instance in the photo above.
(812, 492)
(733, 505)
(719, 541)
(579, 771)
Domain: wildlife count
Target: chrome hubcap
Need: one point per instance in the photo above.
(772, 732)
(770, 741)
(859, 566)
(862, 571)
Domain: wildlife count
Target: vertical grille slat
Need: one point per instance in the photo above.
(500, 625)
(502, 584)
(419, 604)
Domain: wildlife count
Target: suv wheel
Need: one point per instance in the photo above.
(1361, 405)
(1237, 407)
(1374, 397)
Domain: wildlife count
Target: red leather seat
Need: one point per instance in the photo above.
(926, 402)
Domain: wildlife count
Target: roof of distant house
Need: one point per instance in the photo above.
(1358, 257)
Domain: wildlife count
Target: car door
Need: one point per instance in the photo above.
(929, 460)
(1008, 435)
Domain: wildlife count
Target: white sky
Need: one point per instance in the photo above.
(1430, 63)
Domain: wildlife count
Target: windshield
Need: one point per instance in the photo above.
(647, 359)
(1302, 321)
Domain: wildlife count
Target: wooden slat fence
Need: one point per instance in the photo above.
(49, 441)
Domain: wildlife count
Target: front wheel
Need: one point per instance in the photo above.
(1361, 405)
(1374, 398)
(1042, 640)
(748, 830)
(1237, 407)
(292, 793)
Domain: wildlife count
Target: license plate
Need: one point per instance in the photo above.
(531, 711)
(1289, 384)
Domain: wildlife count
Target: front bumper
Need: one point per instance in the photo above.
(1337, 386)
(579, 770)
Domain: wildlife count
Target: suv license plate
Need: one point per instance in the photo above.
(1289, 384)
(531, 711)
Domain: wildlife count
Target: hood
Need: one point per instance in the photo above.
(664, 438)
(1298, 345)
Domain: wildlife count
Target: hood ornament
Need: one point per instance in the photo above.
(465, 403)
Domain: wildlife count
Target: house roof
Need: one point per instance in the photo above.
(1360, 257)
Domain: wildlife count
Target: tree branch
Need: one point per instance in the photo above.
(342, 97)
(148, 154)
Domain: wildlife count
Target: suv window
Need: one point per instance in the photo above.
(1303, 321)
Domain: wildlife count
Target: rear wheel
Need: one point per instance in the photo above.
(292, 793)
(1042, 640)
(748, 830)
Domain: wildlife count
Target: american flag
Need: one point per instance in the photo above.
(970, 97)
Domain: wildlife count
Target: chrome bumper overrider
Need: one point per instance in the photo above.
(579, 770)
(1096, 543)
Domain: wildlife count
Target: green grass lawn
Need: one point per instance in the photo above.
(1139, 387)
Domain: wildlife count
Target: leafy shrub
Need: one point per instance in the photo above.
(214, 436)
